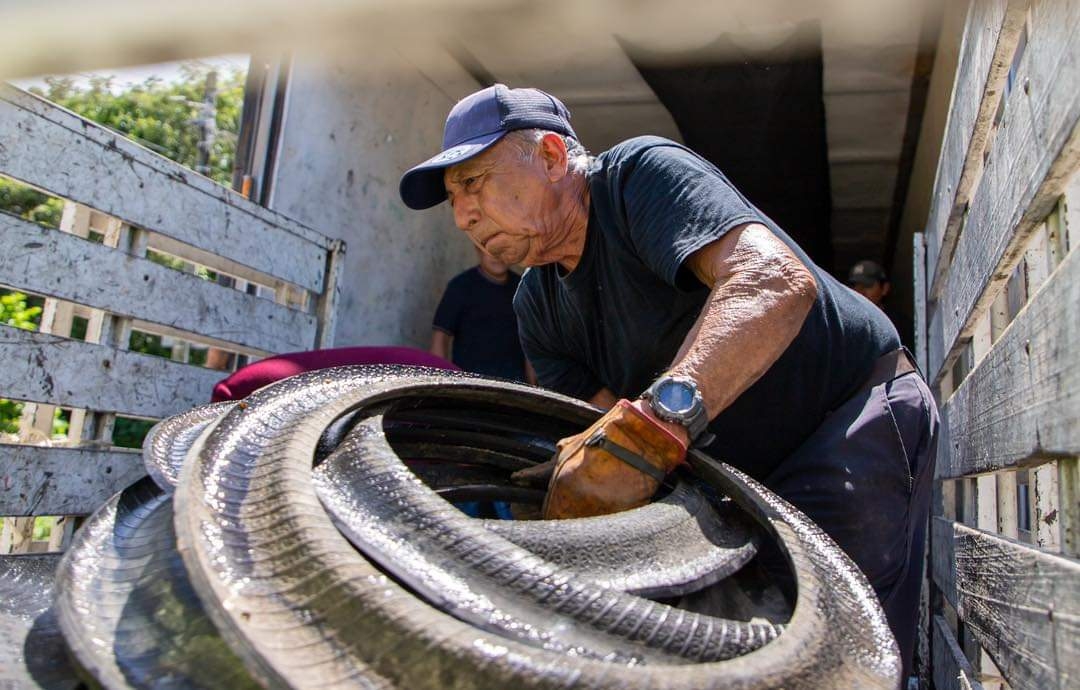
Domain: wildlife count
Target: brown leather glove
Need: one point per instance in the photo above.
(614, 465)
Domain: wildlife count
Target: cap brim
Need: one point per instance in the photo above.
(422, 186)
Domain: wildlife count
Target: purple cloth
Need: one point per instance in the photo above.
(247, 380)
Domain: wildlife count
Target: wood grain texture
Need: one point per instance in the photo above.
(1035, 153)
(36, 480)
(39, 367)
(59, 152)
(1023, 400)
(952, 670)
(990, 38)
(53, 263)
(1021, 604)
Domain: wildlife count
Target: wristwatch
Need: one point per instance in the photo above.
(677, 399)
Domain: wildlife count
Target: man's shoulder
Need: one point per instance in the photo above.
(635, 146)
(462, 279)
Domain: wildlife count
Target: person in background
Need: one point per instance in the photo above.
(868, 279)
(474, 325)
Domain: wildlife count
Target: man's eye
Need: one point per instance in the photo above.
(471, 183)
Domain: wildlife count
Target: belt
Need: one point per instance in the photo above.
(887, 367)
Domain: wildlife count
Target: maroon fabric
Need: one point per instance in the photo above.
(248, 379)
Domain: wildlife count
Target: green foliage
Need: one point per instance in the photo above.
(161, 116)
(29, 203)
(20, 311)
(129, 433)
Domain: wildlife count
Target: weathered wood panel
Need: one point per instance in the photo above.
(57, 151)
(990, 39)
(47, 368)
(1035, 152)
(919, 291)
(1022, 604)
(58, 264)
(1023, 399)
(36, 480)
(952, 670)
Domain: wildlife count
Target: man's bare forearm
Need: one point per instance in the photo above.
(761, 294)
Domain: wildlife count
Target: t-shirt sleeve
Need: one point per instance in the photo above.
(448, 312)
(675, 204)
(556, 369)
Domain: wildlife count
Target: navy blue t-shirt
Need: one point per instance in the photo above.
(618, 319)
(479, 314)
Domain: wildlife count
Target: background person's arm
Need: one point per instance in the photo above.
(440, 343)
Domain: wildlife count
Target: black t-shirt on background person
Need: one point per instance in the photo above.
(619, 318)
(479, 314)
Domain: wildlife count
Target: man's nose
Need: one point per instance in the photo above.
(466, 213)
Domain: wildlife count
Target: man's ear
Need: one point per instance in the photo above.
(885, 288)
(553, 154)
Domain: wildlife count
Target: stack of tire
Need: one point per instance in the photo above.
(307, 536)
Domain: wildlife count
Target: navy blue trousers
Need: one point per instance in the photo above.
(865, 477)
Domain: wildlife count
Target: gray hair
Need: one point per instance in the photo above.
(527, 142)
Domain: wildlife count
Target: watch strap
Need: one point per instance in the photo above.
(601, 441)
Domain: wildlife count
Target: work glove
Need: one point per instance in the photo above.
(616, 464)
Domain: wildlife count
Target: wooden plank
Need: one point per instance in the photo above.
(1035, 153)
(990, 39)
(1069, 486)
(935, 347)
(1006, 505)
(326, 307)
(59, 152)
(47, 368)
(1046, 515)
(919, 290)
(1021, 402)
(37, 480)
(1021, 603)
(987, 502)
(44, 261)
(952, 670)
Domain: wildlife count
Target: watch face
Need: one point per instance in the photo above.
(676, 396)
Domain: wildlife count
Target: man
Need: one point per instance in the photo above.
(475, 319)
(652, 274)
(868, 279)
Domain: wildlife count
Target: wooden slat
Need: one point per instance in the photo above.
(54, 264)
(36, 480)
(1035, 152)
(47, 368)
(1022, 604)
(919, 290)
(59, 152)
(990, 39)
(952, 670)
(1021, 401)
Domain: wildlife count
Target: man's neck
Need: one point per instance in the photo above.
(575, 212)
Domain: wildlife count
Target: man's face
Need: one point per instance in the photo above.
(498, 201)
(875, 293)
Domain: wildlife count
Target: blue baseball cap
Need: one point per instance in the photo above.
(473, 126)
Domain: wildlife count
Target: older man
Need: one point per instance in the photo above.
(660, 292)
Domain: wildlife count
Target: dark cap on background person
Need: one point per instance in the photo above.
(473, 126)
(867, 273)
